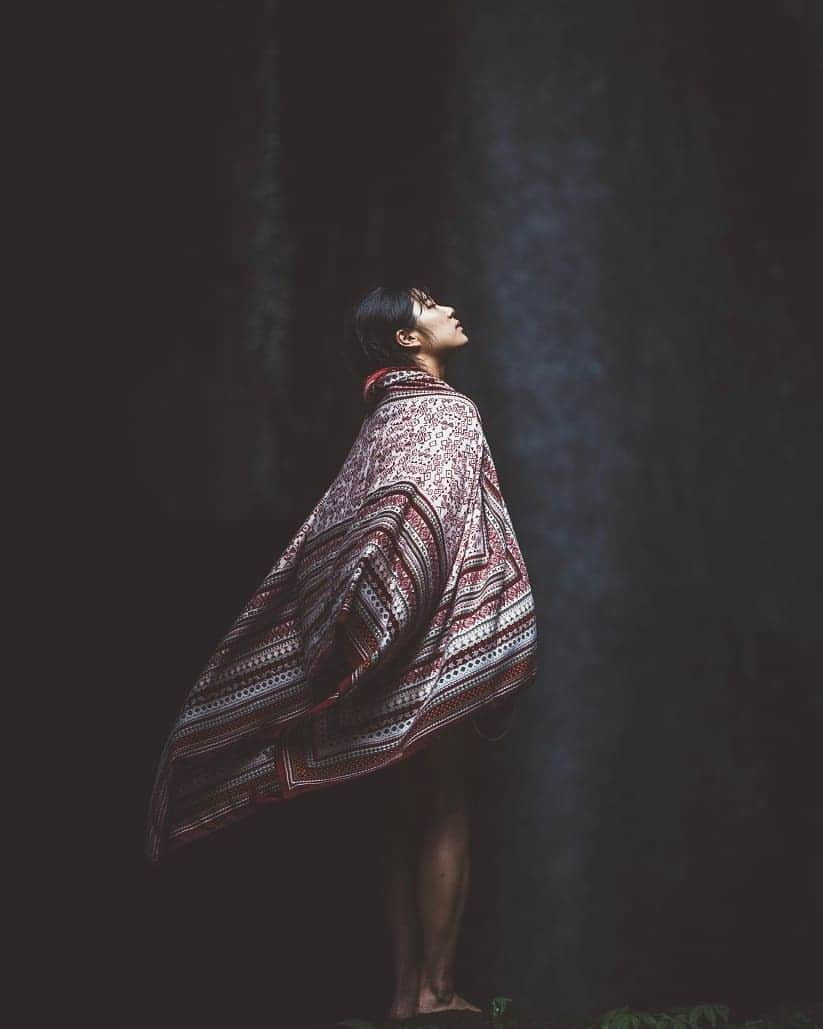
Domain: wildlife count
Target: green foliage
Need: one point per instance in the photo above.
(675, 1018)
(701, 1016)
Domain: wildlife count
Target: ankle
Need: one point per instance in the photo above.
(407, 980)
(439, 989)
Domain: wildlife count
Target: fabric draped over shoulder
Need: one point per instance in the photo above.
(401, 604)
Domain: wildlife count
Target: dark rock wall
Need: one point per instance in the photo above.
(633, 200)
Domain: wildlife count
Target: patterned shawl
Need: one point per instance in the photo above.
(401, 605)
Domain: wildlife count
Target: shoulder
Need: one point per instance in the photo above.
(454, 409)
(453, 399)
(424, 413)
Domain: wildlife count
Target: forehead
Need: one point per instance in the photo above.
(421, 296)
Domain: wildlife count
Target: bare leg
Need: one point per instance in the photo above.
(443, 875)
(400, 857)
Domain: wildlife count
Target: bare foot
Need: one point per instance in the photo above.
(429, 1003)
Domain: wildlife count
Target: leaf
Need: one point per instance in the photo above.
(499, 1005)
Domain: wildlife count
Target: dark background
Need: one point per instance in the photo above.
(621, 201)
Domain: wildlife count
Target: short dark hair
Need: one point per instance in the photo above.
(373, 321)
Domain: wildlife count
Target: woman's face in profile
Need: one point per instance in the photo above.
(438, 324)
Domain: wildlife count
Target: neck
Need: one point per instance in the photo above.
(433, 365)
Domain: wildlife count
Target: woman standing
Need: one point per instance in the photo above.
(399, 616)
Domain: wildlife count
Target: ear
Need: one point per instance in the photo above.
(406, 337)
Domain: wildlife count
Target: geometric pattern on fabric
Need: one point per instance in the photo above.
(401, 605)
